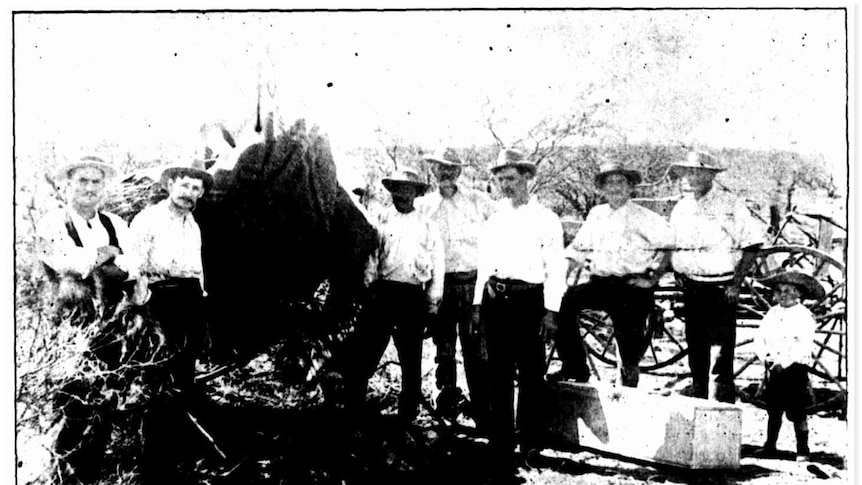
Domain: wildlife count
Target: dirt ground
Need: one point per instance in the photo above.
(257, 433)
(315, 446)
(829, 442)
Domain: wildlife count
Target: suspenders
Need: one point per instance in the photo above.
(105, 220)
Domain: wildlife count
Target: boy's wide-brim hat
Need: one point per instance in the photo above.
(809, 287)
(699, 160)
(405, 178)
(445, 156)
(510, 157)
(88, 161)
(196, 169)
(609, 168)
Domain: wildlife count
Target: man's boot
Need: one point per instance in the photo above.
(802, 451)
(773, 427)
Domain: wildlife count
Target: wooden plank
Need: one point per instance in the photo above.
(671, 430)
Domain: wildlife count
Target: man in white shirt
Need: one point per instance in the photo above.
(83, 251)
(716, 241)
(520, 282)
(459, 212)
(405, 276)
(167, 239)
(81, 246)
(624, 247)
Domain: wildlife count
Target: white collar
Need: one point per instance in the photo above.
(79, 219)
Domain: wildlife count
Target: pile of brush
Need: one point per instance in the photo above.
(132, 195)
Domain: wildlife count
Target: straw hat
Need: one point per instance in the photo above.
(197, 169)
(808, 286)
(405, 178)
(87, 161)
(698, 159)
(510, 157)
(609, 168)
(445, 156)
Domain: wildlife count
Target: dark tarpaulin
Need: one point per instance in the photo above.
(273, 229)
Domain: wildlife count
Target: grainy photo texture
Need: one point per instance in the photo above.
(543, 246)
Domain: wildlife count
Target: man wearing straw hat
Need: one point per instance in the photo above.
(79, 245)
(519, 285)
(459, 212)
(624, 246)
(406, 283)
(80, 242)
(167, 239)
(716, 241)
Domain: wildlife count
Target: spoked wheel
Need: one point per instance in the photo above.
(664, 337)
(829, 372)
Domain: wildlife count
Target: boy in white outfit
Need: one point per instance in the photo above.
(785, 344)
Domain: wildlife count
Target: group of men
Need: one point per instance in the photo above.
(458, 263)
(496, 273)
(157, 260)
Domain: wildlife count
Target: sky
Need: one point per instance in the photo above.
(723, 78)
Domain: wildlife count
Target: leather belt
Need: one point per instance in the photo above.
(460, 277)
(398, 284)
(714, 279)
(503, 286)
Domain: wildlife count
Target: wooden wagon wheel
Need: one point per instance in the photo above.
(829, 372)
(664, 335)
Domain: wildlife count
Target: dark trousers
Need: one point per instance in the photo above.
(627, 305)
(396, 310)
(788, 390)
(177, 305)
(710, 321)
(512, 322)
(84, 434)
(453, 319)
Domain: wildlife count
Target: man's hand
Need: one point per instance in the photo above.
(474, 320)
(549, 326)
(106, 254)
(430, 322)
(641, 282)
(141, 294)
(732, 294)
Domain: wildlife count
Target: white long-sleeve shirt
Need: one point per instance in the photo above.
(786, 335)
(410, 251)
(523, 243)
(459, 218)
(168, 244)
(710, 235)
(58, 250)
(617, 242)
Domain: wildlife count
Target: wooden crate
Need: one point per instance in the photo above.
(672, 430)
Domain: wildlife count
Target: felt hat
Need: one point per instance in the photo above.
(510, 157)
(609, 168)
(405, 178)
(445, 156)
(87, 161)
(808, 286)
(698, 159)
(196, 169)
